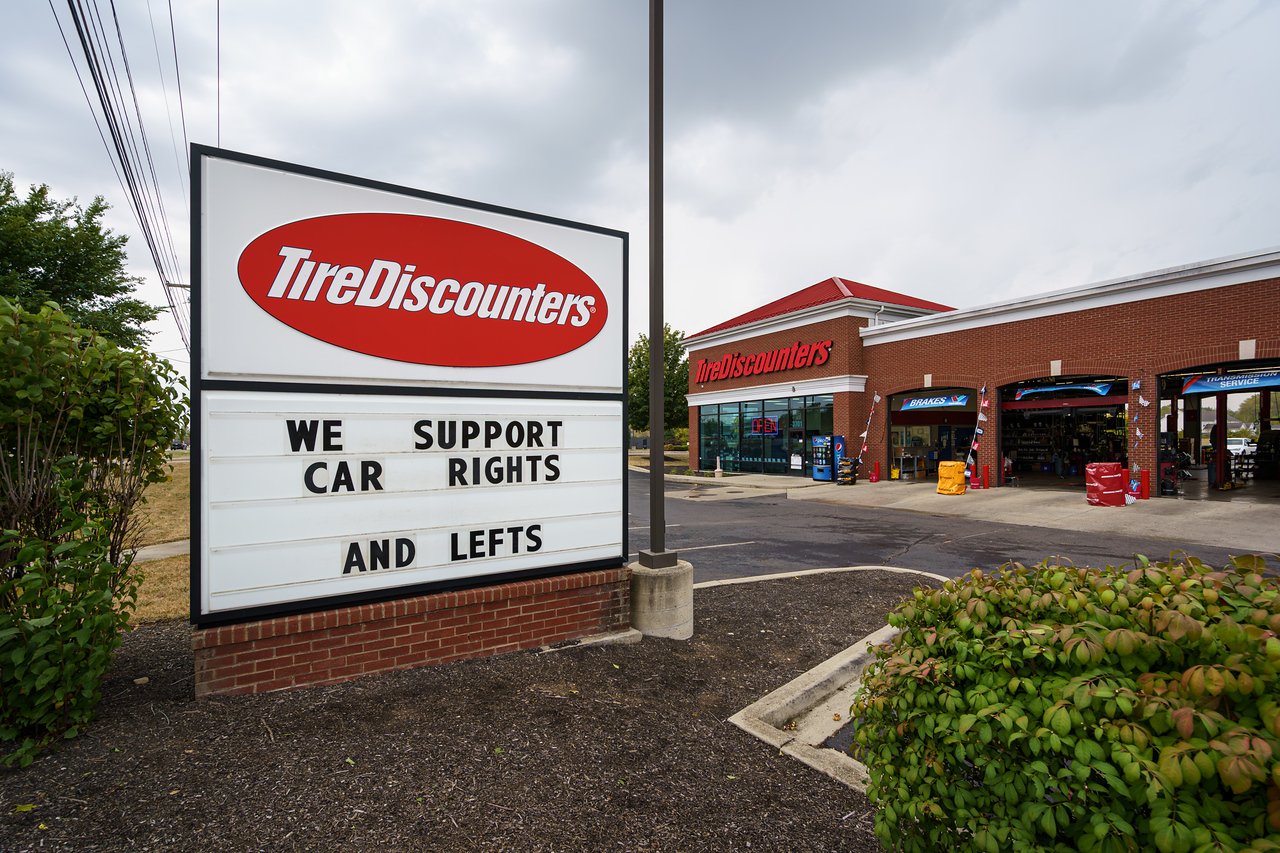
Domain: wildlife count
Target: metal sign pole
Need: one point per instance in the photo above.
(657, 556)
(661, 584)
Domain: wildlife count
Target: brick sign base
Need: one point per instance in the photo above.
(337, 645)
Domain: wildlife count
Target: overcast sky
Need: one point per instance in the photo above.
(961, 152)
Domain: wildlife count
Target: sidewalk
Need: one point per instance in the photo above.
(1237, 526)
(164, 549)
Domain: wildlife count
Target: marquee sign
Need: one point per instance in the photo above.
(395, 392)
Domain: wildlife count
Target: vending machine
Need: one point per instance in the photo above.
(828, 450)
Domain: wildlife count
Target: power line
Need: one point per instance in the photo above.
(168, 111)
(177, 73)
(129, 148)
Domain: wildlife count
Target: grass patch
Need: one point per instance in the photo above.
(166, 590)
(672, 463)
(167, 511)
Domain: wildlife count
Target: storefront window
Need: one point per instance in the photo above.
(770, 436)
(708, 436)
(730, 435)
(777, 415)
(752, 458)
(820, 415)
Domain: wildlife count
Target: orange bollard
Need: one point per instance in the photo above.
(1146, 485)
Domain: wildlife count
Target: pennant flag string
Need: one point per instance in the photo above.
(875, 398)
(977, 431)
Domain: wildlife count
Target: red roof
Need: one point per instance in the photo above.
(832, 290)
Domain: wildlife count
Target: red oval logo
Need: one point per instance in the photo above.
(422, 290)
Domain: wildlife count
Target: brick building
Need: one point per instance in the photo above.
(1070, 377)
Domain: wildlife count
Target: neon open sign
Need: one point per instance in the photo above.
(764, 426)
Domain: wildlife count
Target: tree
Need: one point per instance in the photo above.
(55, 251)
(1247, 411)
(675, 381)
(84, 428)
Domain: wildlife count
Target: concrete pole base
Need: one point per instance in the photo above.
(662, 600)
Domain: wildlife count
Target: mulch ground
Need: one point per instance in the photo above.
(622, 748)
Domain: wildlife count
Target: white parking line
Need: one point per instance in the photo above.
(704, 547)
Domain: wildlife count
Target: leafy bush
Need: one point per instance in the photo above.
(65, 609)
(1063, 708)
(84, 428)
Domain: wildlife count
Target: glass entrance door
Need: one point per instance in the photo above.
(797, 451)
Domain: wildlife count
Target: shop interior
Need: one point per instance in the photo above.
(1220, 436)
(928, 426)
(1052, 428)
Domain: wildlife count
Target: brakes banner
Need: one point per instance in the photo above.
(935, 402)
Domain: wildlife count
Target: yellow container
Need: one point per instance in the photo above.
(951, 478)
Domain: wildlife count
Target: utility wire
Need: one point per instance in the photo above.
(129, 148)
(177, 73)
(94, 40)
(168, 111)
(157, 198)
(88, 100)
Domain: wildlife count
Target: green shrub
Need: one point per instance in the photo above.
(65, 609)
(1063, 709)
(84, 428)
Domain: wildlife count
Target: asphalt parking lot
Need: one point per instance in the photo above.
(727, 530)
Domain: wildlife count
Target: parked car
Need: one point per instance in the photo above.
(1241, 445)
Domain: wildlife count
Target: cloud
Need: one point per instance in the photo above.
(961, 152)
(1091, 55)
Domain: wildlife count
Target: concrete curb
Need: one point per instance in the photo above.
(685, 478)
(616, 638)
(800, 715)
(808, 706)
(803, 572)
(738, 480)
